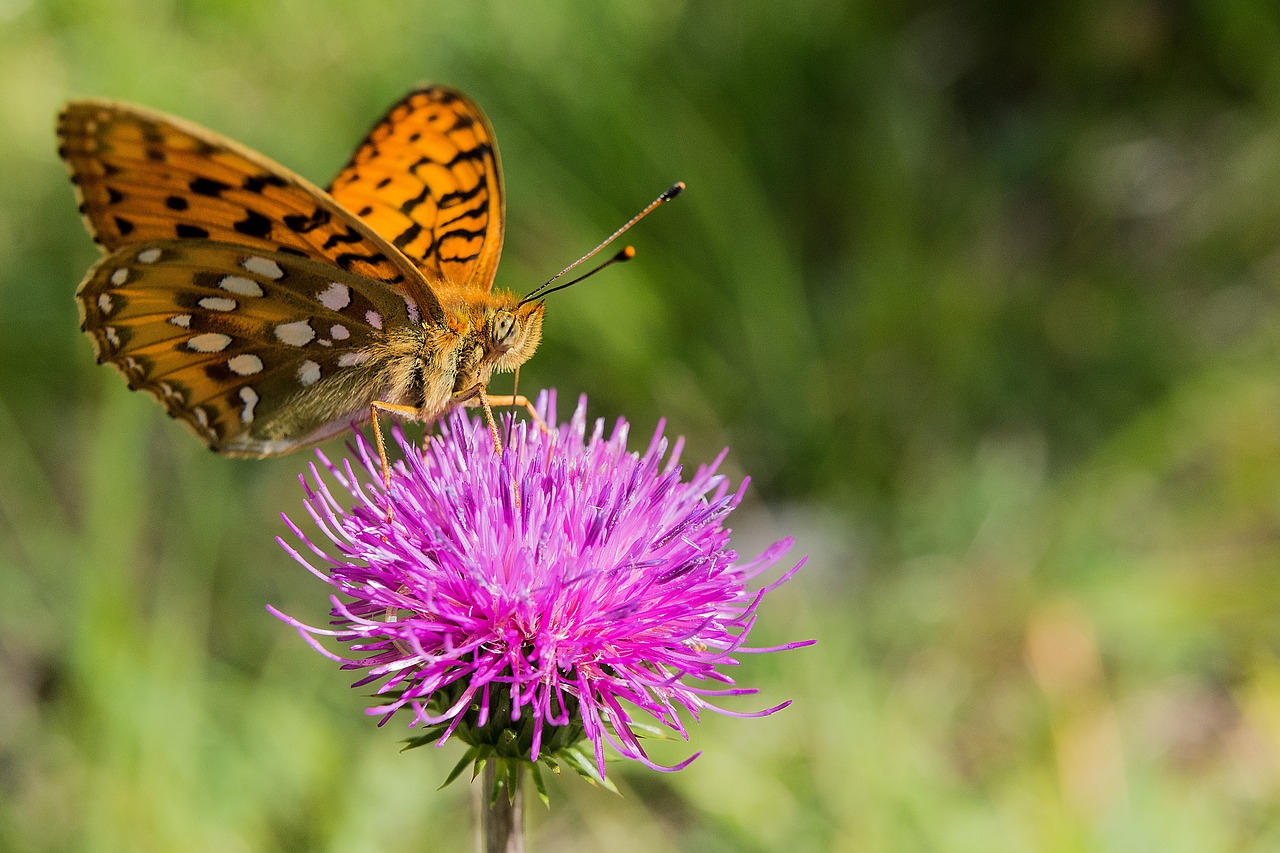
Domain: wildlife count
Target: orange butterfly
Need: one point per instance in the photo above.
(267, 314)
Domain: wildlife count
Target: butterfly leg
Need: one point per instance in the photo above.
(497, 442)
(493, 425)
(522, 400)
(408, 412)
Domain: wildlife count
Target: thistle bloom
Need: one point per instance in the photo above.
(527, 601)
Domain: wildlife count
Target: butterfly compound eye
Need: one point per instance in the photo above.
(502, 330)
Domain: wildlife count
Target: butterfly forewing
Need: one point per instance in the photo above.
(427, 179)
(145, 176)
(257, 352)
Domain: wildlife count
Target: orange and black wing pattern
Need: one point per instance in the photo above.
(427, 179)
(252, 305)
(142, 175)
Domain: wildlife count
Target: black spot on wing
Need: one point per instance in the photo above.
(477, 153)
(349, 236)
(208, 186)
(194, 232)
(479, 211)
(349, 259)
(176, 202)
(459, 259)
(459, 196)
(407, 236)
(257, 183)
(461, 234)
(411, 204)
(301, 224)
(218, 371)
(124, 226)
(254, 224)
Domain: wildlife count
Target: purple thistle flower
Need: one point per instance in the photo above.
(524, 602)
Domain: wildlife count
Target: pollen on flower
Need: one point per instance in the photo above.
(533, 602)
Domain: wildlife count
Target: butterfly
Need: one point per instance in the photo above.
(267, 314)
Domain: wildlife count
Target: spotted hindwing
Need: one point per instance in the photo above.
(144, 176)
(257, 352)
(427, 178)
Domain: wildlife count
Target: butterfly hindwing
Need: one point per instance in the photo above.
(256, 352)
(427, 178)
(144, 176)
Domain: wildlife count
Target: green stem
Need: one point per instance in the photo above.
(499, 814)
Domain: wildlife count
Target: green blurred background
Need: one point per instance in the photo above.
(984, 296)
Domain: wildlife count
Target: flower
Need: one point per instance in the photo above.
(526, 602)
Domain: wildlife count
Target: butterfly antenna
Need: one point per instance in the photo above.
(670, 193)
(626, 254)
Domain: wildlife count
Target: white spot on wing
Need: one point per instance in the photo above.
(201, 416)
(262, 266)
(374, 319)
(308, 373)
(104, 303)
(335, 297)
(149, 256)
(245, 364)
(250, 398)
(218, 303)
(351, 359)
(183, 320)
(241, 285)
(295, 334)
(110, 332)
(339, 332)
(209, 342)
(412, 310)
(120, 276)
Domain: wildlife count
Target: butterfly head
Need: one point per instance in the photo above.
(493, 338)
(513, 333)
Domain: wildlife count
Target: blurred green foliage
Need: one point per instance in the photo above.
(982, 295)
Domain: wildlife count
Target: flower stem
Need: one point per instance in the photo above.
(500, 813)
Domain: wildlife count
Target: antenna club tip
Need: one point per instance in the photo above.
(627, 253)
(675, 190)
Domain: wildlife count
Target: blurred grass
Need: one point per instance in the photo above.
(983, 296)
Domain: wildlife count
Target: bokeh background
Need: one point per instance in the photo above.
(984, 297)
